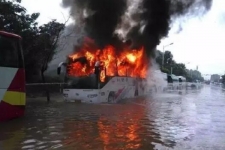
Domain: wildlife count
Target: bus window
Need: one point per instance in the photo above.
(9, 56)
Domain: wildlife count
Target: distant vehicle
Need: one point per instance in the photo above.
(12, 77)
(171, 82)
(176, 82)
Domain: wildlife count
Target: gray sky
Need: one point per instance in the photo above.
(48, 9)
(200, 43)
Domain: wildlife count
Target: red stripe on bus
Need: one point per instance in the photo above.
(10, 34)
(8, 112)
(18, 82)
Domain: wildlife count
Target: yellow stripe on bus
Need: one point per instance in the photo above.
(15, 98)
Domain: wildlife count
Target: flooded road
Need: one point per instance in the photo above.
(192, 120)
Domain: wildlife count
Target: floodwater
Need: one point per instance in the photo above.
(192, 120)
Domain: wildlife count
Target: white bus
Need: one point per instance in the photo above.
(89, 89)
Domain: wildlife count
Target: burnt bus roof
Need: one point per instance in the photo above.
(11, 35)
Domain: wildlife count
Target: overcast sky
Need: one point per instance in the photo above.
(201, 42)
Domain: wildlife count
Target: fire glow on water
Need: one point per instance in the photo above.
(123, 62)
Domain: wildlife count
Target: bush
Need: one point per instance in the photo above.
(164, 70)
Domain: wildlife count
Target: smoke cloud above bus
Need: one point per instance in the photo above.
(141, 22)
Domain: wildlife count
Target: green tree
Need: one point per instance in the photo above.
(46, 43)
(178, 69)
(48, 37)
(168, 60)
(38, 43)
(14, 19)
(165, 70)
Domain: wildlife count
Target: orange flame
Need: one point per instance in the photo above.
(125, 62)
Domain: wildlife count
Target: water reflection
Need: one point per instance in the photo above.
(118, 128)
(175, 121)
(121, 132)
(11, 135)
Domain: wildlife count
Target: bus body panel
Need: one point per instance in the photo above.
(12, 93)
(117, 89)
(12, 77)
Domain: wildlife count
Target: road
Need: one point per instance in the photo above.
(191, 120)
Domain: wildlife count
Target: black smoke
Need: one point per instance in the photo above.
(100, 19)
(157, 16)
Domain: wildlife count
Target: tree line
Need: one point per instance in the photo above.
(38, 42)
(178, 69)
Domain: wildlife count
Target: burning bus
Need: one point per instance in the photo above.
(110, 74)
(96, 75)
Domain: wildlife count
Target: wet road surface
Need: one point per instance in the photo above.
(192, 120)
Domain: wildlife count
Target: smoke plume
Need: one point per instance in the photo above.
(99, 17)
(144, 22)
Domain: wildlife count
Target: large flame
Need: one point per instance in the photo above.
(123, 62)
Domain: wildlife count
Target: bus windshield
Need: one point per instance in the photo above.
(9, 52)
